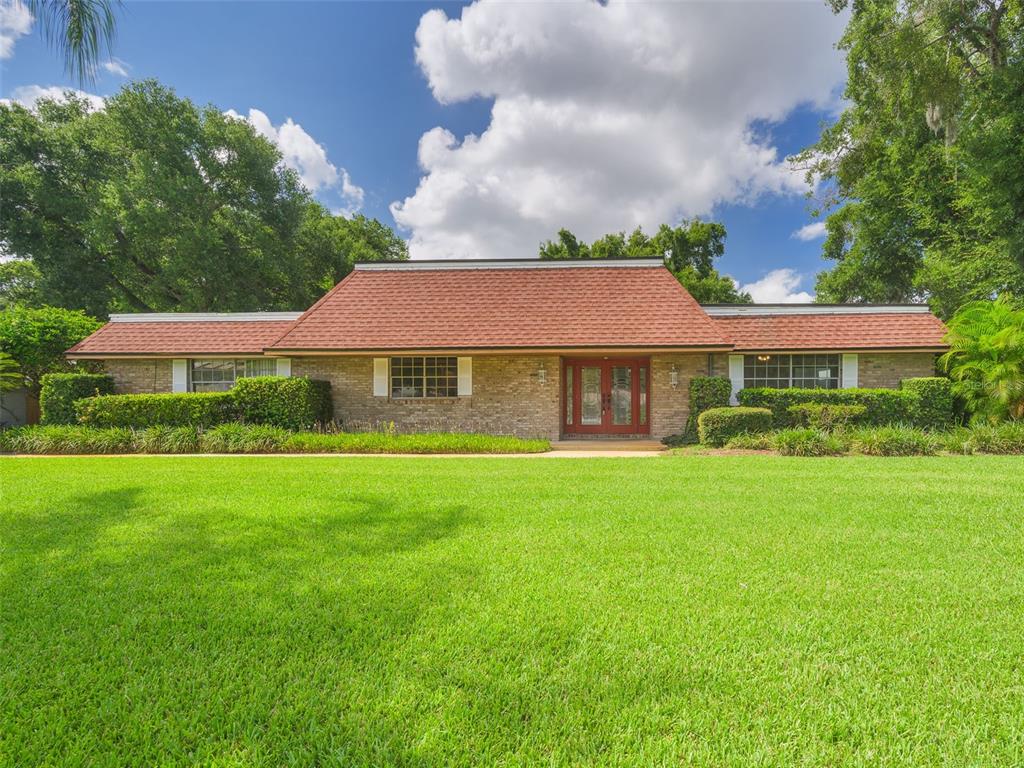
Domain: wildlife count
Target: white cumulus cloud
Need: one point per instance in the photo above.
(15, 21)
(809, 232)
(28, 95)
(116, 67)
(303, 153)
(778, 287)
(608, 116)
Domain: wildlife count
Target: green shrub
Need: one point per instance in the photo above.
(292, 403)
(679, 440)
(382, 442)
(933, 408)
(809, 442)
(747, 442)
(60, 391)
(1007, 438)
(244, 438)
(707, 392)
(716, 426)
(69, 439)
(882, 406)
(957, 440)
(164, 439)
(249, 438)
(193, 409)
(826, 416)
(894, 440)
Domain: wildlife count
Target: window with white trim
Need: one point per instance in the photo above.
(424, 377)
(220, 375)
(819, 371)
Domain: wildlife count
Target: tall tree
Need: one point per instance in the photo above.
(689, 251)
(154, 204)
(923, 173)
(19, 284)
(82, 31)
(37, 339)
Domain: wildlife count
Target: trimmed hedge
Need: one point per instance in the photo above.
(934, 406)
(882, 406)
(717, 426)
(826, 416)
(60, 391)
(707, 392)
(192, 409)
(281, 401)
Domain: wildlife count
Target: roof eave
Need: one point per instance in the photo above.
(833, 349)
(499, 350)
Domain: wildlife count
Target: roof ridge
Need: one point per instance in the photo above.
(203, 317)
(528, 263)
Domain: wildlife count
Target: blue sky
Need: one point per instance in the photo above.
(348, 74)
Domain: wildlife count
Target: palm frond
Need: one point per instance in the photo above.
(82, 32)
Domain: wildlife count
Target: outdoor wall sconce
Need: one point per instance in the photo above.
(542, 374)
(673, 376)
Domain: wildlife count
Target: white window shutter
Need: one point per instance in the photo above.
(465, 376)
(380, 377)
(179, 375)
(284, 366)
(850, 373)
(735, 376)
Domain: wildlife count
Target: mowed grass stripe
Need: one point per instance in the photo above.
(748, 610)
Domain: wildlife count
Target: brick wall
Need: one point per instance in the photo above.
(508, 397)
(885, 369)
(670, 406)
(139, 377)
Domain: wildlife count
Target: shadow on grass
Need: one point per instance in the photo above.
(225, 621)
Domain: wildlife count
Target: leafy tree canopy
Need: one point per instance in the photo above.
(10, 373)
(19, 283)
(689, 251)
(37, 339)
(154, 204)
(923, 173)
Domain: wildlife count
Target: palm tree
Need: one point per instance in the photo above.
(82, 31)
(986, 358)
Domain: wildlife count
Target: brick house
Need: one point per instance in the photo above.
(530, 348)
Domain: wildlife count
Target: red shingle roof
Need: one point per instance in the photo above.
(493, 307)
(181, 338)
(852, 331)
(451, 306)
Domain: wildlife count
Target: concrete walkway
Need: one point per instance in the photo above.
(584, 449)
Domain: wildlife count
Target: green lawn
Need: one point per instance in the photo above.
(699, 610)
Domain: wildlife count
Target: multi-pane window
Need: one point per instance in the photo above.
(220, 375)
(785, 371)
(424, 377)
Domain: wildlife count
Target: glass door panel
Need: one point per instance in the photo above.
(590, 395)
(622, 395)
(606, 396)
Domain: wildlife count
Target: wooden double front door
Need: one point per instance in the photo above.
(606, 396)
